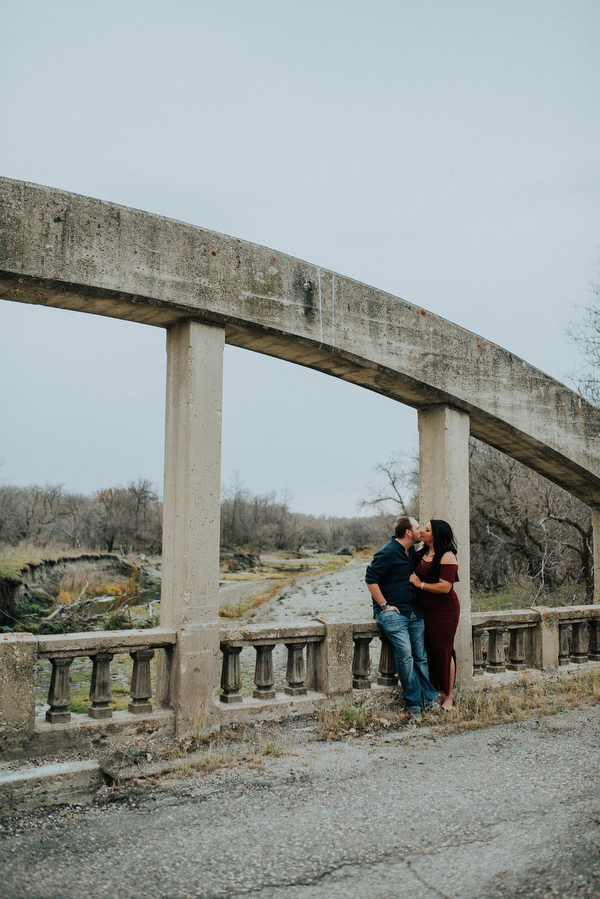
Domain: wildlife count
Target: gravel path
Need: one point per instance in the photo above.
(512, 810)
(341, 592)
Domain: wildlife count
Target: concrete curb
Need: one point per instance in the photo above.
(68, 782)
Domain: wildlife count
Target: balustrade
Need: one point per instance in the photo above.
(361, 663)
(264, 640)
(296, 670)
(62, 650)
(387, 676)
(296, 639)
(540, 637)
(479, 661)
(231, 678)
(516, 649)
(496, 657)
(264, 676)
(100, 689)
(141, 682)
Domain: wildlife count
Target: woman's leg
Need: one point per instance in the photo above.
(449, 698)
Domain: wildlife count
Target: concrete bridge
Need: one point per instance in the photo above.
(73, 252)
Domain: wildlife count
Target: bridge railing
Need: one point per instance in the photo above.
(542, 638)
(19, 657)
(101, 647)
(326, 657)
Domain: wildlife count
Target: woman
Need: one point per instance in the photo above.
(435, 574)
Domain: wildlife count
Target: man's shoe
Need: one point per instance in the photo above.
(415, 714)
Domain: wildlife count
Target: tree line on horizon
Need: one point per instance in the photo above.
(130, 519)
(523, 527)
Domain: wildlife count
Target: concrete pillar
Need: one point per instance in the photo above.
(596, 531)
(546, 640)
(190, 580)
(18, 657)
(329, 663)
(444, 493)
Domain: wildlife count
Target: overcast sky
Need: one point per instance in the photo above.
(446, 152)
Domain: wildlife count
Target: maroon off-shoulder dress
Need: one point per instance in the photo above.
(441, 612)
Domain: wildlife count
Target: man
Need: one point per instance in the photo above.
(396, 611)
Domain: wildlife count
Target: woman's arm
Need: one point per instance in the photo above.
(441, 586)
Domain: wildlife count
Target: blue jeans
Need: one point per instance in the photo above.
(406, 633)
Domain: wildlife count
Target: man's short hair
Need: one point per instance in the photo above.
(402, 525)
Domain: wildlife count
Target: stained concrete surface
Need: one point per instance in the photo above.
(512, 810)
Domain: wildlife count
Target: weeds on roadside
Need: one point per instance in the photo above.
(533, 695)
(344, 718)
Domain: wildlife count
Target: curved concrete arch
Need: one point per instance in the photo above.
(73, 252)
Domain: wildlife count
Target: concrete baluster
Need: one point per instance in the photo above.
(496, 660)
(264, 678)
(564, 645)
(387, 676)
(140, 690)
(594, 647)
(516, 649)
(296, 670)
(361, 663)
(100, 690)
(59, 695)
(478, 659)
(579, 646)
(231, 678)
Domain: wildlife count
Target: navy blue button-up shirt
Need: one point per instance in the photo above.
(391, 568)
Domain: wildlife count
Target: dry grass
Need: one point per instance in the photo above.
(355, 716)
(218, 754)
(13, 559)
(123, 591)
(533, 695)
(239, 607)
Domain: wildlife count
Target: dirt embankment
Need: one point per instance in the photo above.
(38, 583)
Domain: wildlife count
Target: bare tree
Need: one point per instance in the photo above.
(398, 491)
(585, 332)
(522, 525)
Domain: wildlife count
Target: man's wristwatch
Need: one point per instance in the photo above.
(385, 606)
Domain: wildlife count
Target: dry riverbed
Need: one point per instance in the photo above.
(333, 585)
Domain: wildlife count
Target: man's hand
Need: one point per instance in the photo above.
(375, 591)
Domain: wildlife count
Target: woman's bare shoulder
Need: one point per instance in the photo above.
(448, 559)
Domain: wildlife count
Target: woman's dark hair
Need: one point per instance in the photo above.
(443, 542)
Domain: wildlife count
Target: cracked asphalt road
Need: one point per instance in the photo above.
(512, 810)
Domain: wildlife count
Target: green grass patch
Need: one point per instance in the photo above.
(13, 560)
(80, 699)
(522, 596)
